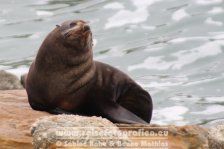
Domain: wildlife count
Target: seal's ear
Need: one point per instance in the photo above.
(58, 25)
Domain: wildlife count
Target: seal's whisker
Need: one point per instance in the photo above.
(67, 34)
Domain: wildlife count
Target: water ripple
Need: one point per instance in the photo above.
(173, 48)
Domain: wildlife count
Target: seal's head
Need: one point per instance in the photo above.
(76, 34)
(69, 44)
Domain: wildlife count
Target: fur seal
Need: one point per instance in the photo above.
(64, 78)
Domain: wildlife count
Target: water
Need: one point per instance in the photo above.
(173, 48)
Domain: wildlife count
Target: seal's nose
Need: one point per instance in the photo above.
(86, 28)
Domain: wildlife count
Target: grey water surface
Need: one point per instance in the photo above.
(173, 48)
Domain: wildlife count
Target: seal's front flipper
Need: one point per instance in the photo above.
(137, 101)
(118, 114)
(50, 110)
(58, 111)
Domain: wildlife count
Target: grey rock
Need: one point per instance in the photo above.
(76, 131)
(9, 81)
(216, 136)
(23, 80)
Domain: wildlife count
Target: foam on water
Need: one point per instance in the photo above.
(208, 2)
(183, 58)
(146, 27)
(216, 10)
(214, 109)
(35, 36)
(213, 100)
(114, 6)
(210, 21)
(169, 115)
(125, 16)
(219, 37)
(186, 39)
(44, 13)
(162, 83)
(41, 2)
(180, 15)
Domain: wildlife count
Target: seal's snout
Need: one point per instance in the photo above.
(86, 28)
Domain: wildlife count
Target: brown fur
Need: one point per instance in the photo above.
(64, 78)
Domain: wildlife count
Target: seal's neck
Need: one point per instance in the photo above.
(74, 68)
(81, 72)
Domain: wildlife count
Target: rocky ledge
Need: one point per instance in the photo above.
(17, 118)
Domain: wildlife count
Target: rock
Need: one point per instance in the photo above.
(178, 137)
(80, 131)
(216, 136)
(9, 81)
(23, 80)
(188, 137)
(58, 130)
(16, 118)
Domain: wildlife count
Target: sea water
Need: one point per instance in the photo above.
(173, 48)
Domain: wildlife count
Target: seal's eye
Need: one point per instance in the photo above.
(58, 25)
(73, 24)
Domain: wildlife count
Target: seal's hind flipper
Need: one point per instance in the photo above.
(138, 101)
(118, 114)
